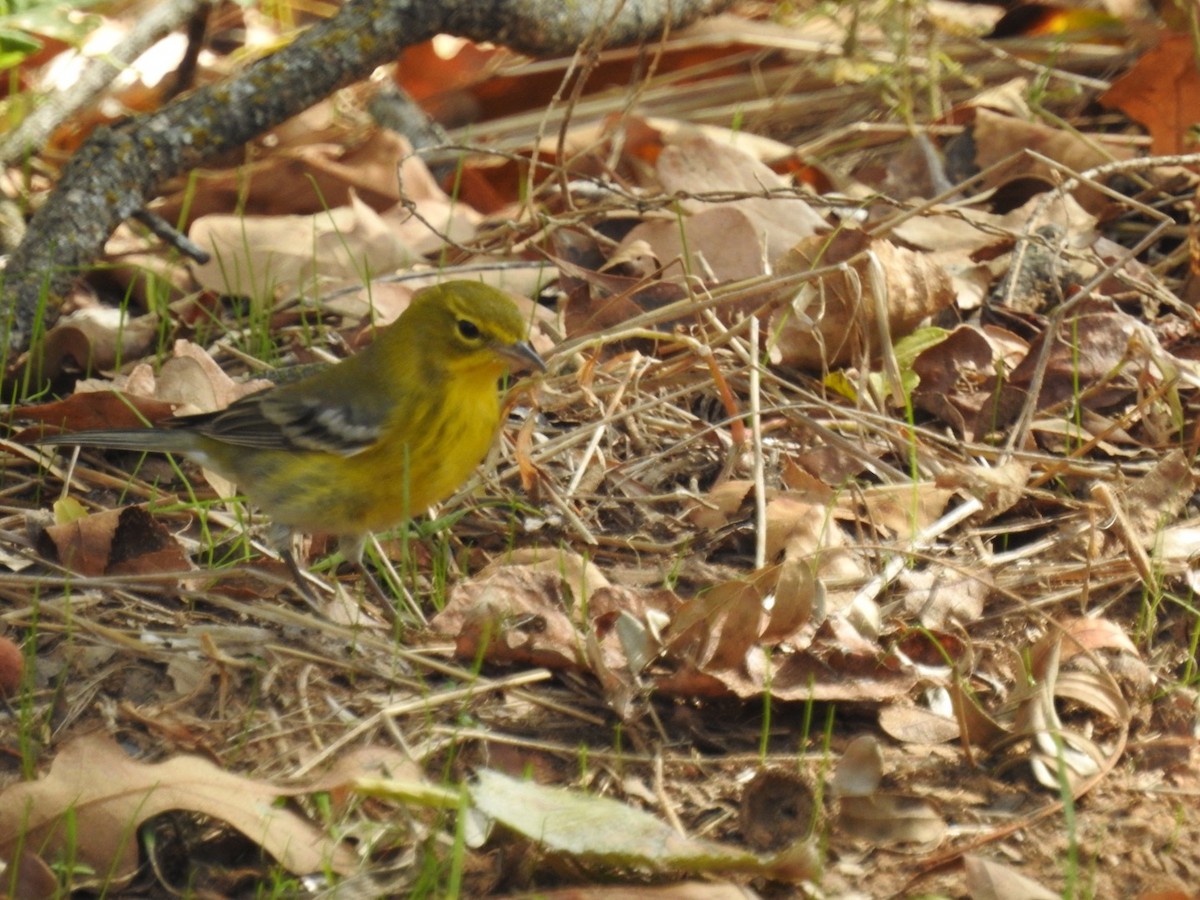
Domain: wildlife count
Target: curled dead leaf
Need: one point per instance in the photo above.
(91, 802)
(95, 339)
(826, 322)
(12, 666)
(859, 772)
(913, 725)
(514, 615)
(888, 820)
(117, 541)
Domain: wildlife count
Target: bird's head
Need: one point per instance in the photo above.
(472, 328)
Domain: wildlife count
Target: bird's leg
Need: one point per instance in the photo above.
(281, 538)
(387, 604)
(299, 577)
(302, 579)
(352, 549)
(386, 565)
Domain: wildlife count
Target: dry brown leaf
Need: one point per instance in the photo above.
(999, 487)
(802, 531)
(829, 670)
(680, 890)
(940, 595)
(888, 820)
(95, 339)
(193, 381)
(730, 240)
(83, 411)
(1102, 350)
(117, 541)
(723, 245)
(516, 610)
(1158, 497)
(582, 577)
(693, 162)
(29, 878)
(189, 382)
(859, 772)
(828, 322)
(959, 375)
(797, 593)
(913, 725)
(12, 666)
(1085, 633)
(1004, 139)
(379, 303)
(1162, 92)
(106, 796)
(341, 172)
(1099, 690)
(715, 630)
(616, 666)
(1060, 220)
(1057, 752)
(316, 169)
(801, 528)
(960, 232)
(268, 257)
(724, 640)
(607, 603)
(1093, 690)
(990, 880)
(898, 510)
(514, 615)
(976, 725)
(719, 506)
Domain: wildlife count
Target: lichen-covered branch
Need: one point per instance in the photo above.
(116, 172)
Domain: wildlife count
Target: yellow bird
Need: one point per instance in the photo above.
(364, 444)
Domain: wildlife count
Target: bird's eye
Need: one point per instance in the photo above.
(468, 329)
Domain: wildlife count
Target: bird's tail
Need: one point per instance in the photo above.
(161, 440)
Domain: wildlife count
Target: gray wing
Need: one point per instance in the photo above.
(284, 419)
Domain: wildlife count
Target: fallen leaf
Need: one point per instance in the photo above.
(117, 541)
(860, 770)
(266, 257)
(515, 614)
(94, 798)
(12, 666)
(696, 163)
(602, 829)
(990, 880)
(830, 321)
(887, 820)
(913, 725)
(1001, 142)
(1162, 92)
(95, 339)
(679, 890)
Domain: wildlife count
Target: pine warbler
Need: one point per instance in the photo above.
(370, 441)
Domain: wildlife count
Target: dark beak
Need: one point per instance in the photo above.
(521, 355)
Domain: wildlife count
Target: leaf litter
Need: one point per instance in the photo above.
(930, 594)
